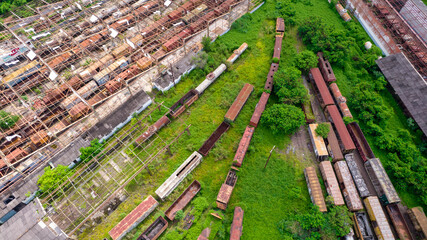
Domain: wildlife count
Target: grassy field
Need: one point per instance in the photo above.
(267, 196)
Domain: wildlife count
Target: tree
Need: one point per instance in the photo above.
(288, 86)
(7, 120)
(283, 118)
(206, 42)
(52, 178)
(200, 59)
(179, 215)
(87, 153)
(306, 60)
(322, 130)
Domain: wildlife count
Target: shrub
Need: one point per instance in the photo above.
(7, 120)
(53, 177)
(306, 60)
(242, 24)
(87, 153)
(288, 86)
(283, 118)
(322, 130)
(206, 42)
(179, 215)
(200, 59)
(275, 60)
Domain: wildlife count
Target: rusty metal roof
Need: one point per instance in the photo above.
(259, 109)
(341, 128)
(314, 188)
(243, 146)
(331, 183)
(237, 225)
(317, 141)
(133, 218)
(321, 86)
(239, 102)
(351, 196)
(334, 144)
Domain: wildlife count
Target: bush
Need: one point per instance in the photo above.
(87, 153)
(242, 24)
(52, 178)
(179, 215)
(7, 120)
(288, 86)
(275, 60)
(306, 60)
(206, 42)
(322, 130)
(200, 59)
(283, 118)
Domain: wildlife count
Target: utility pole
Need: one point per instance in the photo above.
(271, 151)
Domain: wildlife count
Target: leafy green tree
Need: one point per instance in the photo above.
(52, 178)
(206, 42)
(288, 86)
(306, 60)
(322, 130)
(7, 120)
(87, 153)
(285, 9)
(283, 118)
(179, 215)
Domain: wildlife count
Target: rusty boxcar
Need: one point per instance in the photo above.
(154, 230)
(226, 190)
(325, 68)
(239, 102)
(236, 229)
(379, 178)
(331, 183)
(325, 97)
(378, 218)
(398, 221)
(333, 145)
(339, 126)
(314, 188)
(259, 109)
(152, 129)
(183, 103)
(340, 100)
(360, 141)
(351, 197)
(243, 146)
(208, 144)
(357, 176)
(183, 200)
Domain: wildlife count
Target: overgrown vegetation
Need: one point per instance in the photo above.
(306, 60)
(87, 153)
(322, 130)
(288, 86)
(7, 5)
(7, 120)
(53, 178)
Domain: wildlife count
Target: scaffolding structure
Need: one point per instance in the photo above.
(408, 25)
(67, 65)
(63, 60)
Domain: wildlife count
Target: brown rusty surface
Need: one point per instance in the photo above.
(359, 140)
(314, 188)
(398, 222)
(239, 102)
(205, 234)
(277, 47)
(133, 217)
(325, 68)
(208, 145)
(243, 146)
(153, 129)
(320, 84)
(333, 145)
(237, 225)
(351, 197)
(154, 230)
(183, 200)
(259, 109)
(226, 190)
(280, 25)
(342, 131)
(331, 183)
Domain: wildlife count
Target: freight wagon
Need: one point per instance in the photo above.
(85, 92)
(238, 103)
(111, 71)
(331, 183)
(236, 229)
(379, 220)
(259, 109)
(320, 87)
(314, 188)
(280, 25)
(277, 47)
(357, 176)
(339, 126)
(419, 220)
(333, 145)
(21, 74)
(398, 221)
(210, 78)
(237, 53)
(362, 227)
(183, 103)
(154, 230)
(325, 68)
(176, 178)
(226, 190)
(340, 100)
(208, 144)
(194, 13)
(183, 200)
(243, 146)
(318, 143)
(347, 186)
(152, 129)
(379, 178)
(360, 141)
(97, 66)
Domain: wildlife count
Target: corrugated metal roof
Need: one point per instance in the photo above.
(317, 141)
(351, 196)
(240, 101)
(314, 188)
(334, 144)
(321, 86)
(376, 214)
(331, 182)
(381, 181)
(341, 128)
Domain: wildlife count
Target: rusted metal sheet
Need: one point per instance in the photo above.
(314, 188)
(379, 178)
(180, 106)
(379, 220)
(331, 183)
(183, 200)
(205, 234)
(238, 104)
(362, 227)
(237, 53)
(133, 218)
(259, 109)
(243, 146)
(152, 129)
(16, 154)
(325, 68)
(419, 220)
(226, 190)
(280, 25)
(236, 230)
(39, 138)
(154, 230)
(144, 63)
(340, 128)
(333, 145)
(341, 100)
(208, 145)
(317, 141)
(357, 176)
(398, 221)
(348, 188)
(360, 141)
(320, 85)
(78, 111)
(277, 47)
